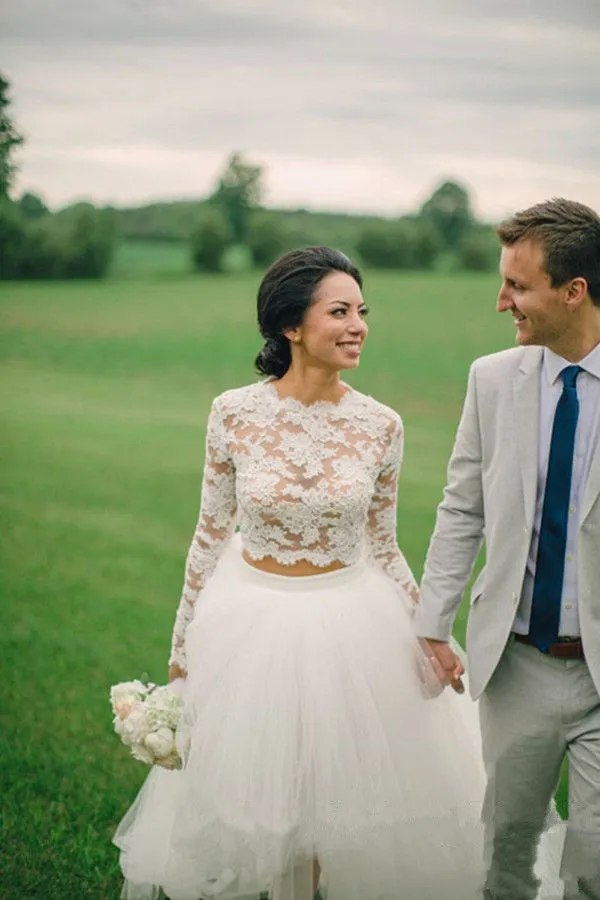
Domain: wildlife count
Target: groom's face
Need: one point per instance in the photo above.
(538, 309)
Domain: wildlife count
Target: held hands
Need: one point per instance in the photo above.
(445, 662)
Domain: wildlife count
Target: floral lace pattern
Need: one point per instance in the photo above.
(315, 483)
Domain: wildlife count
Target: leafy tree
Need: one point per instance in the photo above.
(13, 239)
(46, 251)
(427, 245)
(29, 250)
(33, 244)
(479, 251)
(9, 140)
(399, 244)
(76, 243)
(267, 238)
(210, 240)
(32, 206)
(89, 234)
(239, 190)
(448, 210)
(377, 246)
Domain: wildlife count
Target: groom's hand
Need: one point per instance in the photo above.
(447, 664)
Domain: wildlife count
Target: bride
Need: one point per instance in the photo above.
(320, 750)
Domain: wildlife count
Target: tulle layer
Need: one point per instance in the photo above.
(307, 733)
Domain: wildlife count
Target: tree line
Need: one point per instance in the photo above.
(443, 234)
(75, 243)
(230, 228)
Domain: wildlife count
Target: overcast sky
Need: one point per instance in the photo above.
(357, 104)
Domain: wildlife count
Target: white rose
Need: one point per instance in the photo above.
(163, 708)
(135, 726)
(126, 691)
(139, 752)
(119, 726)
(124, 707)
(160, 742)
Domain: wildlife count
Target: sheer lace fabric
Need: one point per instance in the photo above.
(315, 483)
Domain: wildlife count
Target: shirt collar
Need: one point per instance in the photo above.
(554, 364)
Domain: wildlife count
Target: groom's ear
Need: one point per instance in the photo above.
(576, 291)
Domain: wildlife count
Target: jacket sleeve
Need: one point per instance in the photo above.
(459, 528)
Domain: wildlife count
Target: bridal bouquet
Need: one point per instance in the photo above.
(146, 719)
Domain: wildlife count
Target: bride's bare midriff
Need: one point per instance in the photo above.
(297, 570)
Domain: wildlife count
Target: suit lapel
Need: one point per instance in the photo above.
(527, 404)
(592, 488)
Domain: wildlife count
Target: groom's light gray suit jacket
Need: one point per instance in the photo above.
(491, 496)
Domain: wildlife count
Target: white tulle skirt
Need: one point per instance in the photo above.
(308, 734)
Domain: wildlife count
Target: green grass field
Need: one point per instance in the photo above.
(104, 395)
(151, 259)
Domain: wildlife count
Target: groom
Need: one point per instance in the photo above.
(524, 477)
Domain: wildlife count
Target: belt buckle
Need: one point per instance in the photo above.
(566, 648)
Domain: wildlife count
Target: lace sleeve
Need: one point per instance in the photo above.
(215, 525)
(381, 523)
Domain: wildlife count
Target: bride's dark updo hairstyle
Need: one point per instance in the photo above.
(285, 293)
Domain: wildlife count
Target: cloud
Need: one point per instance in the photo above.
(361, 104)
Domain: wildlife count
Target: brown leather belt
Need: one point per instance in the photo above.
(567, 648)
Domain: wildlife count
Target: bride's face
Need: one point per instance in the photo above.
(334, 329)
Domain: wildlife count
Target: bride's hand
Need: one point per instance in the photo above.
(176, 671)
(446, 663)
(171, 762)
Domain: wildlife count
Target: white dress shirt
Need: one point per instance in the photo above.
(586, 441)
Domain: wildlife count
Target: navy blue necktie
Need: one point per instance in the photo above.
(550, 565)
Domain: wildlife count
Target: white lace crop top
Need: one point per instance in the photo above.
(302, 482)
